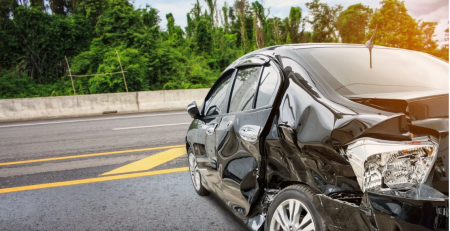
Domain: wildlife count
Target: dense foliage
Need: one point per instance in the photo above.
(37, 35)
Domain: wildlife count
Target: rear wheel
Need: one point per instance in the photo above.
(292, 210)
(195, 176)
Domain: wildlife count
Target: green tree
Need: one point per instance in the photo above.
(92, 8)
(295, 17)
(57, 6)
(428, 28)
(240, 7)
(323, 21)
(35, 42)
(6, 7)
(132, 62)
(225, 16)
(203, 36)
(396, 28)
(352, 23)
(275, 25)
(175, 33)
(119, 24)
(442, 51)
(260, 24)
(190, 26)
(293, 27)
(38, 4)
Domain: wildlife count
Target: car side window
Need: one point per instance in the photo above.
(244, 89)
(268, 84)
(215, 104)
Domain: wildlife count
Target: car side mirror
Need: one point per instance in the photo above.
(193, 111)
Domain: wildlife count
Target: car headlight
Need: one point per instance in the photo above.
(384, 165)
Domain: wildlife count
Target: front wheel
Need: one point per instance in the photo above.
(195, 176)
(292, 210)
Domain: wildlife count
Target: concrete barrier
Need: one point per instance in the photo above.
(169, 100)
(85, 105)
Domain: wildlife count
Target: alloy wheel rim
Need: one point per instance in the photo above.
(193, 170)
(292, 215)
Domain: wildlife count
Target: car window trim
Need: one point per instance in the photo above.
(233, 72)
(277, 87)
(234, 81)
(258, 60)
(257, 87)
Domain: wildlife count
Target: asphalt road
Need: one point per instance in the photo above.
(111, 172)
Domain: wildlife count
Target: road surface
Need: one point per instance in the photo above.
(111, 172)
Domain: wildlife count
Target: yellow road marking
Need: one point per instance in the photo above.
(92, 180)
(149, 162)
(88, 155)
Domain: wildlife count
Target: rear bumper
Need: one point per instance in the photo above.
(383, 212)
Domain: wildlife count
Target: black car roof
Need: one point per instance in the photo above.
(278, 50)
(317, 45)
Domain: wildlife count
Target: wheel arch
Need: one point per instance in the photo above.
(286, 184)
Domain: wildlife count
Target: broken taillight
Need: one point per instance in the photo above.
(398, 169)
(385, 165)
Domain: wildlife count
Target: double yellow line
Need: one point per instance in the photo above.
(140, 165)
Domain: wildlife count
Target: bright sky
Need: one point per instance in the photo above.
(427, 10)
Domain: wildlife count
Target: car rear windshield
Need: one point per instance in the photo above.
(347, 70)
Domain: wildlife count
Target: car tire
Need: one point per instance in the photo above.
(196, 177)
(295, 197)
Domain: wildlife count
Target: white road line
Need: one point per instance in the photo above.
(151, 126)
(75, 121)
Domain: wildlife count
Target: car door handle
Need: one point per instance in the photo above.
(210, 129)
(249, 132)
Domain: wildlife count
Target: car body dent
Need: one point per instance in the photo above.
(305, 141)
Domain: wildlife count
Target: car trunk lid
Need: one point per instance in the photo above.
(415, 105)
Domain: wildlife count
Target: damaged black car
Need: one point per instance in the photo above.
(326, 137)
